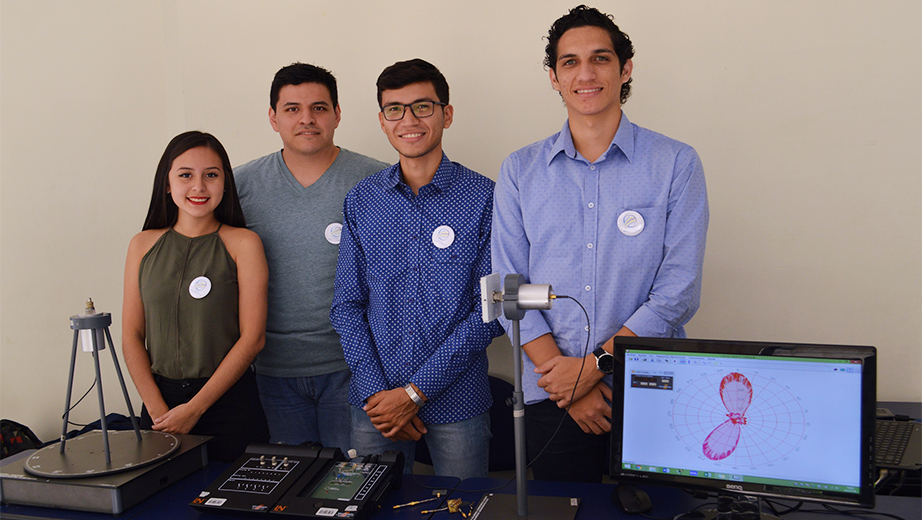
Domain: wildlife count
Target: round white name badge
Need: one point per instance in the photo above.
(333, 233)
(443, 236)
(200, 287)
(630, 223)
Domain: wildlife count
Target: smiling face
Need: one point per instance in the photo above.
(197, 182)
(588, 74)
(305, 118)
(413, 137)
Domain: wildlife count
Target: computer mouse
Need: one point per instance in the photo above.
(631, 499)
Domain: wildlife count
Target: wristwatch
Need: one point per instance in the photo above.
(414, 396)
(604, 361)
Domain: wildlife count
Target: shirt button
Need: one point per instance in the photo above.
(589, 245)
(592, 167)
(588, 287)
(591, 204)
(586, 328)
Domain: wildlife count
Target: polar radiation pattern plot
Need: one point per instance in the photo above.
(736, 394)
(737, 420)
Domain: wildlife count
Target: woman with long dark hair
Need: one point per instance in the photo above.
(194, 310)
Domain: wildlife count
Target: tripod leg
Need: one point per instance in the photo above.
(70, 385)
(121, 381)
(102, 403)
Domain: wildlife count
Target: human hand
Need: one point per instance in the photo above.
(178, 420)
(413, 431)
(390, 411)
(593, 412)
(559, 378)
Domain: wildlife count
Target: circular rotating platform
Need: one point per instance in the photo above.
(85, 455)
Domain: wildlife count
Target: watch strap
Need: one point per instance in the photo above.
(414, 396)
(599, 353)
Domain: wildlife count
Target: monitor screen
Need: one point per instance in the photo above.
(764, 419)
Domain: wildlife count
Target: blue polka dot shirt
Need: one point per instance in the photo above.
(407, 297)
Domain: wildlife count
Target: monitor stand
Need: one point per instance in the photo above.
(737, 507)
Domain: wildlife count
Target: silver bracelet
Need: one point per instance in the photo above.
(414, 396)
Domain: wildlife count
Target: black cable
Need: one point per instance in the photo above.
(578, 376)
(566, 410)
(424, 486)
(851, 512)
(899, 486)
(790, 509)
(95, 379)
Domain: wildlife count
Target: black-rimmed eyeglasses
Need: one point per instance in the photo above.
(420, 110)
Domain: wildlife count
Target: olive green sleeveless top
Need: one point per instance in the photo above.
(189, 291)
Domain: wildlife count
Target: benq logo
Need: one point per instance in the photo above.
(735, 487)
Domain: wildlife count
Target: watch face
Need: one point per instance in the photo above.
(606, 363)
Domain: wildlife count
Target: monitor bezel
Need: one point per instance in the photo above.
(868, 357)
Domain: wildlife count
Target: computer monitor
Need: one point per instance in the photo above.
(787, 421)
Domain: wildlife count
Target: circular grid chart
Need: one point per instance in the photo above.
(738, 420)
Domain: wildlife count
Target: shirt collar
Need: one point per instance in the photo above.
(444, 176)
(623, 140)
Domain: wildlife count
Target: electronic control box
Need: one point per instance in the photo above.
(302, 481)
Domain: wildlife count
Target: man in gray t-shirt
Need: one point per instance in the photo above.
(293, 200)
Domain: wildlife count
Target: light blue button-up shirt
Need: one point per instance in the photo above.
(556, 221)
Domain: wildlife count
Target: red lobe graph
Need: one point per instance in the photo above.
(736, 394)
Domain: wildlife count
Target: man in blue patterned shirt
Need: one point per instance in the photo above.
(415, 242)
(609, 213)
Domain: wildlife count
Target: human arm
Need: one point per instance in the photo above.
(134, 350)
(526, 244)
(511, 253)
(510, 249)
(390, 410)
(460, 337)
(246, 249)
(676, 290)
(561, 374)
(349, 310)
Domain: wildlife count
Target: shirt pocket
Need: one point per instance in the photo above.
(451, 275)
(462, 251)
(646, 246)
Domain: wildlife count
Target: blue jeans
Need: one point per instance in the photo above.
(459, 449)
(308, 409)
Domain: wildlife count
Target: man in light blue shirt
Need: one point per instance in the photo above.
(609, 213)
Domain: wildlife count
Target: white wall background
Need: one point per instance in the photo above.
(807, 116)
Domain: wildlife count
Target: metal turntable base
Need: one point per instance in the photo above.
(85, 456)
(110, 493)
